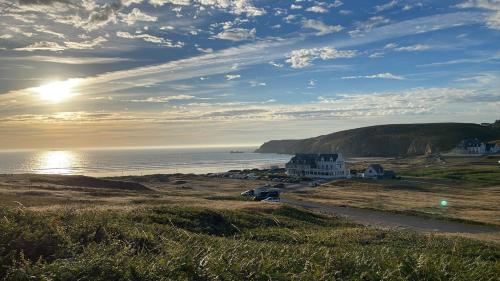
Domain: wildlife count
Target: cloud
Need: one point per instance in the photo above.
(321, 27)
(275, 64)
(409, 101)
(56, 47)
(303, 57)
(159, 3)
(481, 80)
(376, 55)
(236, 34)
(68, 60)
(41, 28)
(164, 99)
(130, 2)
(263, 51)
(387, 6)
(137, 15)
(232, 76)
(295, 7)
(42, 2)
(237, 7)
(368, 25)
(490, 58)
(99, 17)
(86, 44)
(257, 84)
(413, 48)
(150, 38)
(386, 75)
(317, 9)
(42, 46)
(390, 46)
(493, 19)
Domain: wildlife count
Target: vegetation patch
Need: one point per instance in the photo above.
(173, 243)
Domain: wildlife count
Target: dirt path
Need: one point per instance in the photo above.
(394, 220)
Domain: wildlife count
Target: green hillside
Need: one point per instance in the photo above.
(387, 140)
(175, 243)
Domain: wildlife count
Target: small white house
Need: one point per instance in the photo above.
(374, 171)
(317, 166)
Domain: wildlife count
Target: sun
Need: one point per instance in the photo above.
(58, 91)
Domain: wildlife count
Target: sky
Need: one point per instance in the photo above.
(95, 73)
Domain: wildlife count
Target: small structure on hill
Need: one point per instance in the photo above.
(317, 166)
(374, 171)
(475, 146)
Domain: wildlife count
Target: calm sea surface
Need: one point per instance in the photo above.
(117, 162)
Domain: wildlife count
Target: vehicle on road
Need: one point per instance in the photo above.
(266, 194)
(271, 200)
(248, 193)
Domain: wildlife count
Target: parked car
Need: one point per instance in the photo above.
(248, 193)
(266, 194)
(271, 200)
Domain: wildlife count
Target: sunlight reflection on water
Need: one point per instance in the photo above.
(56, 162)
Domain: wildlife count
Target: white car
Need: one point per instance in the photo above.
(271, 200)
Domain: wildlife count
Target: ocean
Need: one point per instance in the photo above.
(136, 161)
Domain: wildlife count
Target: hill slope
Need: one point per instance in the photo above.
(386, 140)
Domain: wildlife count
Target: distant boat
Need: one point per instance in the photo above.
(236, 151)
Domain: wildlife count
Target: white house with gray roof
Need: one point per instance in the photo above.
(374, 171)
(317, 166)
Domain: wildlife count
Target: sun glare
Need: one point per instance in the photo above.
(56, 92)
(56, 162)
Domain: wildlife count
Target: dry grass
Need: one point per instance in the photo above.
(469, 197)
(183, 190)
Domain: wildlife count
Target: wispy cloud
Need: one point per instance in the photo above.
(236, 34)
(321, 27)
(232, 76)
(68, 60)
(150, 38)
(385, 75)
(493, 19)
(386, 6)
(162, 99)
(413, 48)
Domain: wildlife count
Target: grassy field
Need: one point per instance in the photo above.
(41, 192)
(470, 186)
(194, 243)
(193, 227)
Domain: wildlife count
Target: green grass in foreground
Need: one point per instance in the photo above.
(173, 243)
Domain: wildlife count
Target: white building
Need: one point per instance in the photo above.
(374, 171)
(317, 166)
(475, 146)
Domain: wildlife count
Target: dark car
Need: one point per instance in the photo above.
(264, 195)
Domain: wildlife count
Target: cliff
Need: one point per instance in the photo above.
(387, 140)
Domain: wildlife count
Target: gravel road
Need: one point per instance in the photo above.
(394, 220)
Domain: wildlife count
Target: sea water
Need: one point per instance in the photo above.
(136, 161)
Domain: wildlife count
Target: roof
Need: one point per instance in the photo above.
(311, 159)
(490, 146)
(470, 143)
(377, 168)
